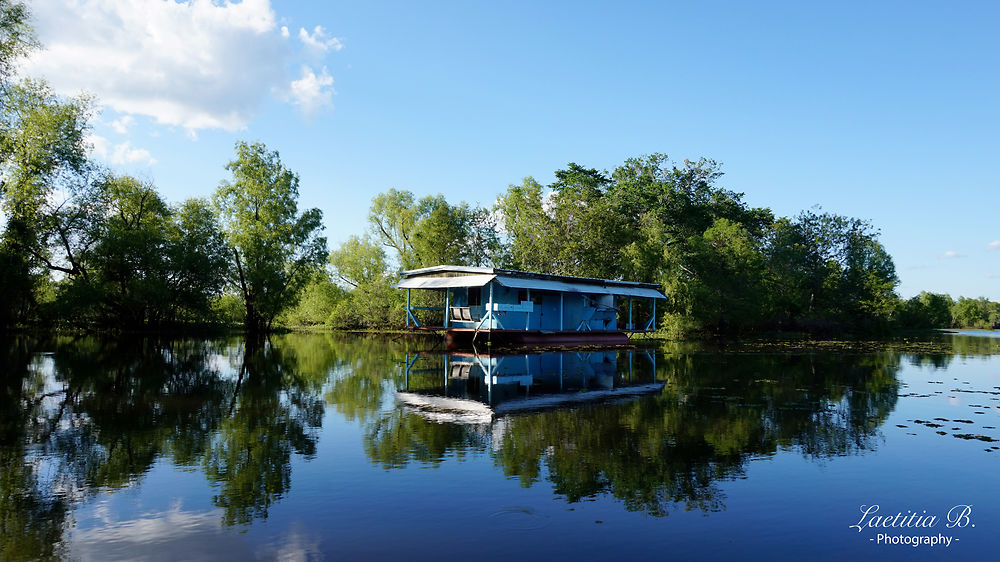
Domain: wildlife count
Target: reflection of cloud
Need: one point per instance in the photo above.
(297, 545)
(178, 534)
(950, 254)
(994, 245)
(169, 535)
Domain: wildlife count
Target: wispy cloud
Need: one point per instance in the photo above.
(994, 245)
(125, 153)
(318, 40)
(951, 254)
(122, 124)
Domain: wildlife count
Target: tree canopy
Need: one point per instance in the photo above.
(275, 249)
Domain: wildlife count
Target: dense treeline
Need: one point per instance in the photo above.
(725, 266)
(83, 246)
(933, 310)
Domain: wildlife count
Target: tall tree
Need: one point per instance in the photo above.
(275, 249)
(43, 176)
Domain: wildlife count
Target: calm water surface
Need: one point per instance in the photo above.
(329, 447)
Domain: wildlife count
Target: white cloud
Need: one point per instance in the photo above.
(319, 41)
(951, 254)
(196, 64)
(122, 124)
(311, 92)
(994, 245)
(125, 153)
(284, 31)
(99, 145)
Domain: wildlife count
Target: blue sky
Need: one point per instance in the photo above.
(884, 111)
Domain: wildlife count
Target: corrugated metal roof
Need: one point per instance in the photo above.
(444, 282)
(548, 285)
(447, 269)
(448, 276)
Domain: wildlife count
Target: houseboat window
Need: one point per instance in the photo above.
(536, 297)
(475, 296)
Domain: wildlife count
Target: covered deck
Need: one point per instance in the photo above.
(528, 308)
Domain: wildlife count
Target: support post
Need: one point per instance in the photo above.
(654, 315)
(562, 316)
(447, 307)
(407, 308)
(527, 315)
(630, 326)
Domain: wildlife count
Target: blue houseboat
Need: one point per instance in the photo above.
(503, 306)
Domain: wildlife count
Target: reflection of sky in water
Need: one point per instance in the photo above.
(773, 454)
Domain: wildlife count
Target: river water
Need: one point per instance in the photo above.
(323, 446)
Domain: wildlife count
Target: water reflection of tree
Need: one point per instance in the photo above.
(31, 517)
(397, 438)
(96, 415)
(364, 372)
(271, 414)
(716, 412)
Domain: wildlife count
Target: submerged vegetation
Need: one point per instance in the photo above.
(82, 246)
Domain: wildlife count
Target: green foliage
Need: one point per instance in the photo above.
(975, 313)
(371, 303)
(139, 262)
(43, 168)
(275, 249)
(430, 231)
(723, 279)
(830, 272)
(926, 310)
(317, 300)
(359, 261)
(571, 228)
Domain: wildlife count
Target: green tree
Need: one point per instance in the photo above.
(198, 259)
(830, 272)
(393, 218)
(275, 250)
(926, 310)
(569, 228)
(430, 231)
(530, 230)
(360, 264)
(140, 262)
(975, 313)
(317, 301)
(722, 281)
(44, 169)
(359, 261)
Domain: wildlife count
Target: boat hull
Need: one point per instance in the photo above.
(465, 338)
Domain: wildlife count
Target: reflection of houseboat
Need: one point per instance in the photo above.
(476, 387)
(516, 307)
